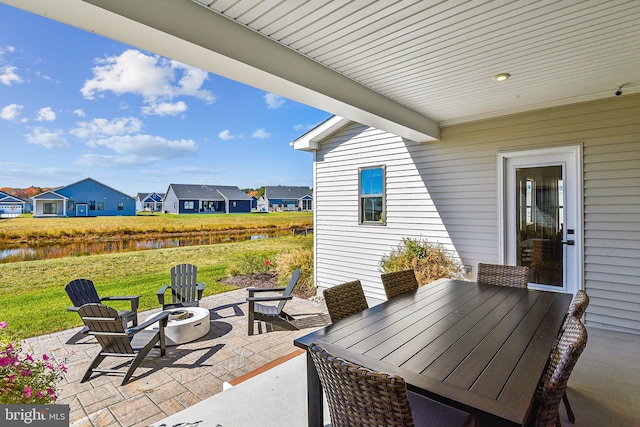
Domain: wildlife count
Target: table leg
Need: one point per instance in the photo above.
(314, 395)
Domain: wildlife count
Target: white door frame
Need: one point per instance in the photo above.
(575, 153)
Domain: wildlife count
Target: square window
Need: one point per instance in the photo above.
(371, 186)
(92, 205)
(120, 206)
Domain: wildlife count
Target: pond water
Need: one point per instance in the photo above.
(27, 252)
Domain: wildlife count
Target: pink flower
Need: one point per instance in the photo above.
(5, 361)
(29, 358)
(3, 325)
(25, 373)
(12, 378)
(45, 357)
(27, 391)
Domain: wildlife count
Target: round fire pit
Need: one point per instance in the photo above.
(185, 324)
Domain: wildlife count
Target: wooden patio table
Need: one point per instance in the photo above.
(480, 348)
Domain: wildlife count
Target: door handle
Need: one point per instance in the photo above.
(568, 242)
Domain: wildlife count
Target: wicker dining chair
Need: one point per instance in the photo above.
(577, 309)
(516, 276)
(344, 300)
(358, 396)
(554, 381)
(578, 305)
(399, 282)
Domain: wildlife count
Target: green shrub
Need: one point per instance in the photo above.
(430, 261)
(252, 263)
(287, 262)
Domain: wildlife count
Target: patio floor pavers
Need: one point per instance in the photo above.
(186, 375)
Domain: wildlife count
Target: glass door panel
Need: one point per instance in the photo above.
(539, 223)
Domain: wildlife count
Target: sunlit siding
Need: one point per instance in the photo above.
(447, 191)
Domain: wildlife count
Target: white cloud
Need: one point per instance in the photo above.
(47, 138)
(108, 161)
(164, 108)
(261, 133)
(46, 114)
(303, 127)
(8, 75)
(9, 49)
(32, 172)
(147, 148)
(273, 101)
(151, 77)
(11, 111)
(102, 127)
(226, 135)
(79, 112)
(183, 170)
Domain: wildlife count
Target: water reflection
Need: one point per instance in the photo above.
(34, 252)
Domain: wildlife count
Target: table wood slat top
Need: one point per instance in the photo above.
(482, 348)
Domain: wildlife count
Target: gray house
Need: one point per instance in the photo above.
(199, 198)
(286, 198)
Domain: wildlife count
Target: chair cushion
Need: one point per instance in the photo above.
(428, 412)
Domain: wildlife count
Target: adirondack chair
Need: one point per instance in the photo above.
(186, 291)
(273, 314)
(83, 291)
(105, 324)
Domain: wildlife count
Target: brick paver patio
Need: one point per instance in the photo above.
(187, 374)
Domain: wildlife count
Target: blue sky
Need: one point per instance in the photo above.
(74, 105)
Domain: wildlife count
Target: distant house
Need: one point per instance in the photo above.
(87, 197)
(149, 202)
(11, 206)
(194, 198)
(286, 198)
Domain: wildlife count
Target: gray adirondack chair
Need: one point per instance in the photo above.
(83, 291)
(273, 314)
(186, 291)
(135, 343)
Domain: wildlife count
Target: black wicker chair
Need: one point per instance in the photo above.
(399, 282)
(516, 276)
(344, 300)
(358, 396)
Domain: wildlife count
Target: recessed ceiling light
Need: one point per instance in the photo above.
(502, 77)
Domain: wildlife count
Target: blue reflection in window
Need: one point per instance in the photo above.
(371, 181)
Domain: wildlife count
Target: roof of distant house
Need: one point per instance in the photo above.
(286, 192)
(208, 192)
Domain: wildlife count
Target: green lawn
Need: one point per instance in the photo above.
(33, 300)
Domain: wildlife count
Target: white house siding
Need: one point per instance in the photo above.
(450, 195)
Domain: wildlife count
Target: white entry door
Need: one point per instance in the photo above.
(542, 216)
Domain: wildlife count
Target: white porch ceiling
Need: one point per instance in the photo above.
(404, 66)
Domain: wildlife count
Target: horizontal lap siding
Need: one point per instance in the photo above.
(446, 191)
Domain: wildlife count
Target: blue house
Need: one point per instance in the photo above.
(149, 202)
(11, 206)
(83, 198)
(194, 198)
(287, 198)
